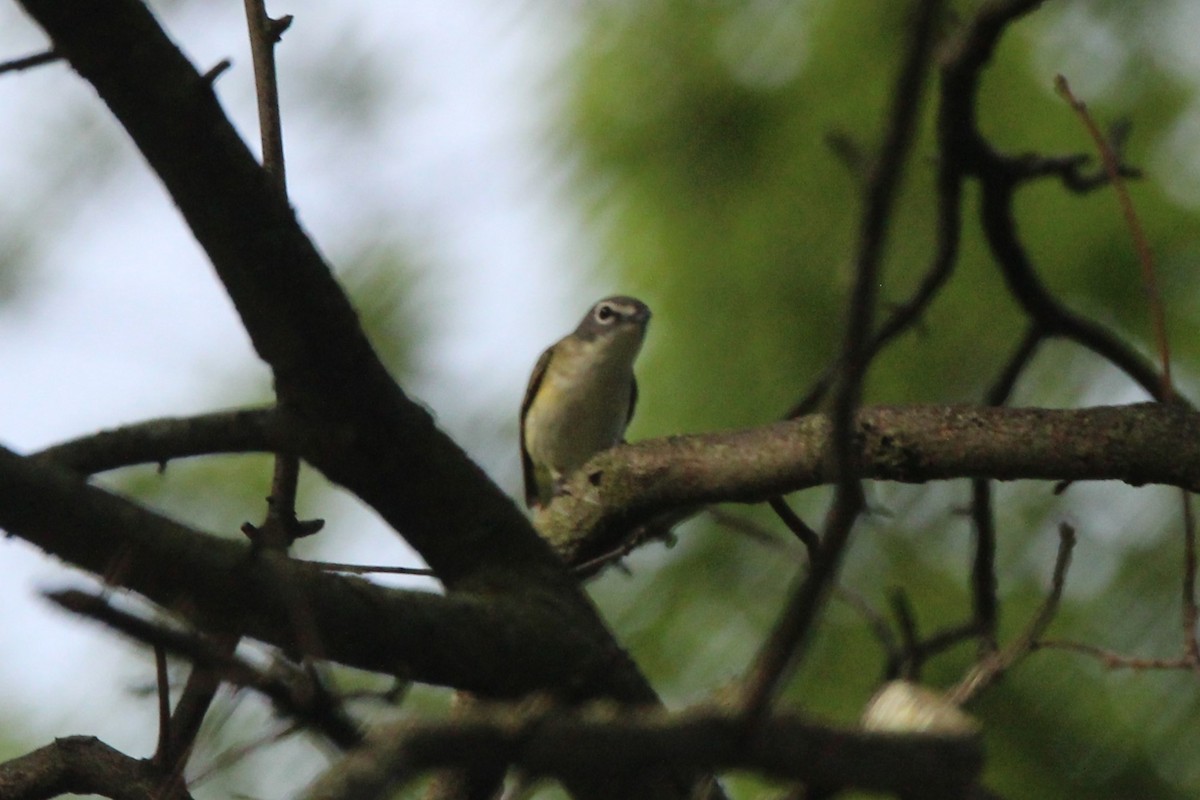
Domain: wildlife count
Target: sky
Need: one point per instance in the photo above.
(125, 321)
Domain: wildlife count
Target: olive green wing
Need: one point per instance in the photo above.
(527, 469)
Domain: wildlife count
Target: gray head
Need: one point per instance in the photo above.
(613, 314)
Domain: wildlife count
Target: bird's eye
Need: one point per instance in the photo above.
(605, 313)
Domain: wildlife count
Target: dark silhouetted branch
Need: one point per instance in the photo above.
(29, 62)
(158, 441)
(600, 745)
(288, 688)
(84, 765)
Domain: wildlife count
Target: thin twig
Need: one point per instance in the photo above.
(992, 666)
(878, 625)
(1002, 389)
(945, 638)
(786, 641)
(264, 33)
(1145, 256)
(906, 623)
(1190, 612)
(287, 687)
(164, 699)
(280, 526)
(367, 569)
(658, 529)
(215, 71)
(807, 536)
(1112, 167)
(230, 757)
(28, 62)
(1114, 660)
(986, 606)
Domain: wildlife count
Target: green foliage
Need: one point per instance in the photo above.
(723, 151)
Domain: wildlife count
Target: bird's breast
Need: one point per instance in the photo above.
(576, 414)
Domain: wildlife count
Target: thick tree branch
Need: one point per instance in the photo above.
(359, 428)
(84, 765)
(158, 441)
(615, 748)
(625, 486)
(455, 641)
(492, 645)
(363, 431)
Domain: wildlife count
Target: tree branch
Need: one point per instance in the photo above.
(357, 426)
(786, 642)
(615, 748)
(290, 689)
(625, 486)
(388, 630)
(493, 645)
(363, 432)
(993, 665)
(84, 765)
(158, 441)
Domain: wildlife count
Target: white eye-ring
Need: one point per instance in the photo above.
(605, 313)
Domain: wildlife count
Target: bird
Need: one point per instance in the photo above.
(581, 395)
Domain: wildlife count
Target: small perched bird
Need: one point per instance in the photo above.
(581, 395)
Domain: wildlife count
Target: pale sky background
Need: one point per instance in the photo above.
(127, 322)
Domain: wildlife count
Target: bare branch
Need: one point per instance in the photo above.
(84, 765)
(327, 376)
(368, 569)
(1112, 168)
(985, 605)
(601, 745)
(993, 665)
(1191, 613)
(618, 489)
(280, 528)
(807, 536)
(360, 429)
(495, 645)
(264, 35)
(288, 688)
(158, 441)
(1114, 660)
(28, 62)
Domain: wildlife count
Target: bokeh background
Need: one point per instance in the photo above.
(479, 173)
